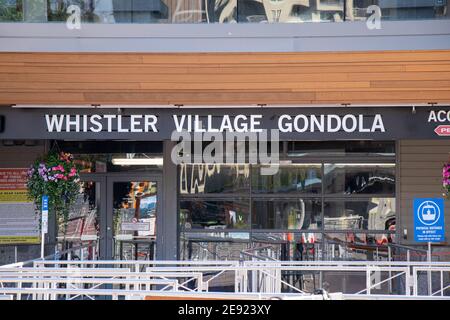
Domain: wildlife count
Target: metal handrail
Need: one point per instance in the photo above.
(399, 246)
(48, 257)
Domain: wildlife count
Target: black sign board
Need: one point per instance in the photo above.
(2, 124)
(151, 124)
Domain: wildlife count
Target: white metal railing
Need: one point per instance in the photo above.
(430, 270)
(139, 279)
(267, 276)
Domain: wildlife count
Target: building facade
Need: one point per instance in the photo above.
(358, 110)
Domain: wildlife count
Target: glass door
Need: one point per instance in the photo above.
(79, 238)
(132, 215)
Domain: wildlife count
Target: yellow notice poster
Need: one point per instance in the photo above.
(19, 222)
(13, 196)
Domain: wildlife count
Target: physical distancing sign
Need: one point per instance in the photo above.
(429, 223)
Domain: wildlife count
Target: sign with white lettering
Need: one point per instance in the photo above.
(300, 123)
(44, 218)
(135, 226)
(440, 116)
(442, 130)
(384, 123)
(429, 220)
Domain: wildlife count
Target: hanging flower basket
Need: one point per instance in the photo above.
(446, 180)
(57, 176)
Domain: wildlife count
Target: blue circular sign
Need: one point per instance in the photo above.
(428, 213)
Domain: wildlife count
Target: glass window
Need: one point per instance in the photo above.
(359, 179)
(356, 246)
(115, 162)
(298, 214)
(82, 227)
(219, 11)
(398, 10)
(213, 178)
(303, 200)
(361, 148)
(373, 214)
(109, 147)
(121, 11)
(213, 246)
(11, 10)
(287, 245)
(296, 178)
(135, 205)
(274, 11)
(114, 156)
(214, 214)
(83, 215)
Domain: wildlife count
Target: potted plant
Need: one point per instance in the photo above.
(57, 176)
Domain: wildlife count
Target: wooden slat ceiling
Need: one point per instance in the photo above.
(390, 77)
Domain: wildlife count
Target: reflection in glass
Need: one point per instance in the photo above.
(274, 11)
(121, 11)
(213, 214)
(398, 10)
(213, 178)
(102, 163)
(374, 214)
(219, 11)
(213, 246)
(83, 223)
(134, 220)
(363, 148)
(83, 215)
(289, 179)
(287, 246)
(286, 214)
(11, 10)
(356, 246)
(135, 206)
(359, 179)
(202, 11)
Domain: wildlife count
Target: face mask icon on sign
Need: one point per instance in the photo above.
(428, 212)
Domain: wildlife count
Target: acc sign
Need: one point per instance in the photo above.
(429, 220)
(442, 130)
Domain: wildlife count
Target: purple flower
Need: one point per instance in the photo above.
(30, 172)
(446, 171)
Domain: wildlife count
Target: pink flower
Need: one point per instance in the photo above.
(58, 168)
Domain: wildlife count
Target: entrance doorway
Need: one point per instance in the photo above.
(132, 212)
(116, 217)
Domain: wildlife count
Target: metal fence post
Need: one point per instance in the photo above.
(430, 286)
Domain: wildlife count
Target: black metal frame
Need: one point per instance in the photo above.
(105, 211)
